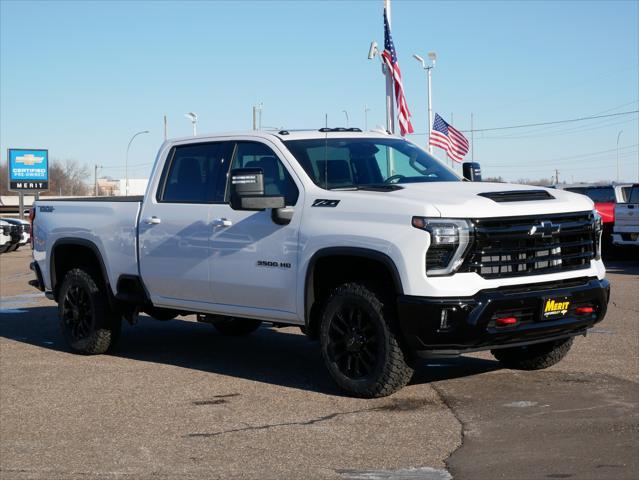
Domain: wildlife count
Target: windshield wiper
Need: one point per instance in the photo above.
(373, 187)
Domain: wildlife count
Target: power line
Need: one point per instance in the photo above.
(579, 157)
(580, 119)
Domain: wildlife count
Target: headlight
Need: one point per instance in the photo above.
(449, 240)
(598, 230)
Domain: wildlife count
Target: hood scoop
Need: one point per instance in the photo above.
(518, 196)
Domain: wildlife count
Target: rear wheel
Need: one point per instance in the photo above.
(534, 357)
(360, 344)
(86, 320)
(234, 326)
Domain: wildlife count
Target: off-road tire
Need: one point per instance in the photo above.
(234, 326)
(533, 357)
(101, 326)
(391, 368)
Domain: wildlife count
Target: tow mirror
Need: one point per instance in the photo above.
(472, 171)
(247, 191)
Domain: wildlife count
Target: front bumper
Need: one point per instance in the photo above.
(441, 327)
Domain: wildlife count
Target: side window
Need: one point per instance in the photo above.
(197, 174)
(277, 180)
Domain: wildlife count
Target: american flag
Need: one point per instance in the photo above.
(448, 138)
(390, 58)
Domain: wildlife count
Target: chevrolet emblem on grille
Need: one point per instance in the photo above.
(544, 230)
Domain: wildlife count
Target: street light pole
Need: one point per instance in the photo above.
(618, 135)
(95, 178)
(429, 79)
(193, 117)
(126, 162)
(346, 113)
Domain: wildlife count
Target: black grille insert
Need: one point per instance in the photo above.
(516, 246)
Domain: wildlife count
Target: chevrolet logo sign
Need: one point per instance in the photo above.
(544, 230)
(29, 159)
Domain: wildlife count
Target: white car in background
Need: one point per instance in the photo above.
(626, 231)
(24, 230)
(6, 242)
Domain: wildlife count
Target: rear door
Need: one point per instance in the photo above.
(253, 259)
(175, 224)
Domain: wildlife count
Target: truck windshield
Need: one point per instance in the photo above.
(596, 194)
(366, 162)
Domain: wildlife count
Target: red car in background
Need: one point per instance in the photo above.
(605, 198)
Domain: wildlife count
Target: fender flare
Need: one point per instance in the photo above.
(359, 252)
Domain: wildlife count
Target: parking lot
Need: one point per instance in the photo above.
(178, 400)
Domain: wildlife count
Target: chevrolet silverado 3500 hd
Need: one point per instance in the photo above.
(364, 240)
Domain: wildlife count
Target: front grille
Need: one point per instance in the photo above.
(516, 246)
(27, 228)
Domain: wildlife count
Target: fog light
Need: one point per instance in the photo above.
(444, 318)
(505, 321)
(584, 310)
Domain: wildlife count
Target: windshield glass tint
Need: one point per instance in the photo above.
(601, 194)
(352, 162)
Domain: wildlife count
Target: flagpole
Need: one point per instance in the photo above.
(390, 104)
(472, 139)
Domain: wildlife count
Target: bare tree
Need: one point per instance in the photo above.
(543, 182)
(4, 180)
(68, 178)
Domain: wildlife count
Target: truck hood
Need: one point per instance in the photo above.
(484, 199)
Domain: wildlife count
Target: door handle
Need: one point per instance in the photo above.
(152, 220)
(222, 222)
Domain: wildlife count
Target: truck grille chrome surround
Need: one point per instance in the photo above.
(518, 246)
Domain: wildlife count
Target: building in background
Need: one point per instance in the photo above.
(108, 187)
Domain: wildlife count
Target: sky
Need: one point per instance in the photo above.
(80, 78)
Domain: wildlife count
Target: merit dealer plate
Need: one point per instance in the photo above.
(555, 308)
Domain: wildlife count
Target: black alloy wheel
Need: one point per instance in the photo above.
(77, 312)
(86, 319)
(353, 342)
(360, 342)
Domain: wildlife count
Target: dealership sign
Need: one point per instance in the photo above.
(28, 169)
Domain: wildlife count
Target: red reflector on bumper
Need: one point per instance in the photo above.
(505, 321)
(584, 310)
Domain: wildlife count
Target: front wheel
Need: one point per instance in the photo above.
(533, 357)
(360, 344)
(86, 320)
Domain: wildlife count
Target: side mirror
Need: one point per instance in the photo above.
(471, 171)
(247, 191)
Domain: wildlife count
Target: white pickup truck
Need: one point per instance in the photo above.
(626, 229)
(364, 240)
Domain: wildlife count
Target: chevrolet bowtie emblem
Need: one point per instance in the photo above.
(544, 230)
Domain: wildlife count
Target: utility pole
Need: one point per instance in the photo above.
(95, 178)
(556, 177)
(366, 110)
(166, 129)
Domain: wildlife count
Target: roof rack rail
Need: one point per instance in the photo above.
(340, 129)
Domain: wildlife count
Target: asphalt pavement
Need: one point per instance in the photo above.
(178, 400)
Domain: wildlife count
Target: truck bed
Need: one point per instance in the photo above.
(109, 223)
